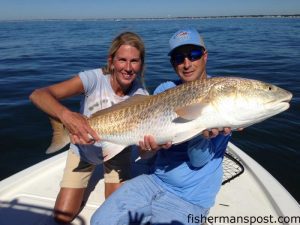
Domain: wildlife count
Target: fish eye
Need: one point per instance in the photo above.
(270, 88)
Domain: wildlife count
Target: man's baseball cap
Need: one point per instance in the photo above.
(185, 37)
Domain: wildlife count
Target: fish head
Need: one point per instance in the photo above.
(244, 101)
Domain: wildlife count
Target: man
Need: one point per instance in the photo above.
(187, 177)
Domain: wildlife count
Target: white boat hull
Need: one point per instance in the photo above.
(28, 197)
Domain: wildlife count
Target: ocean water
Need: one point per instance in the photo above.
(39, 53)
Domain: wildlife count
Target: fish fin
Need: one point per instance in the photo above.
(60, 137)
(134, 100)
(190, 112)
(109, 149)
(185, 136)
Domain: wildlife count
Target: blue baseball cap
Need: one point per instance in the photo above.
(185, 37)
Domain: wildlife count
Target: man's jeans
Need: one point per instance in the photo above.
(142, 201)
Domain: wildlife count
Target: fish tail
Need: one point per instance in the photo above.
(60, 137)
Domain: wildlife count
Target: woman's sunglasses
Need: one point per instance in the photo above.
(193, 55)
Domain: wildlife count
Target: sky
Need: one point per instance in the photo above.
(97, 9)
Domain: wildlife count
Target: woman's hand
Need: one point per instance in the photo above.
(79, 128)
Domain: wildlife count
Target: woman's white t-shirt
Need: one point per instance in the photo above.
(98, 94)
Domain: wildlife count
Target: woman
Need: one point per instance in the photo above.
(121, 78)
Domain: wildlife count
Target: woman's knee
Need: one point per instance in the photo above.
(68, 204)
(64, 217)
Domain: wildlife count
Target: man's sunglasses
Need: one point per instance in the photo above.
(193, 55)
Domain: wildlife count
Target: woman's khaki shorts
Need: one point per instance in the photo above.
(77, 173)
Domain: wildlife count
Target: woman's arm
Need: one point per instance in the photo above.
(48, 100)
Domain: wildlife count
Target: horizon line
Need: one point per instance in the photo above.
(159, 18)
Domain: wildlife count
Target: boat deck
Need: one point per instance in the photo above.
(30, 195)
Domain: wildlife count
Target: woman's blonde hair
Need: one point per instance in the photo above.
(126, 38)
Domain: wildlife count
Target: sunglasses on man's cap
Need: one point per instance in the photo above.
(193, 55)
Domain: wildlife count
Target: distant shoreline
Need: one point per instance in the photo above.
(157, 18)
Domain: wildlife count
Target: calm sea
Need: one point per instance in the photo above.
(38, 53)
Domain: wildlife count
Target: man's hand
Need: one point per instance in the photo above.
(214, 132)
(149, 147)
